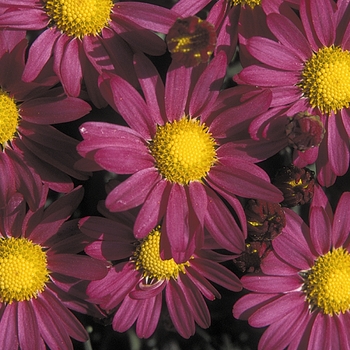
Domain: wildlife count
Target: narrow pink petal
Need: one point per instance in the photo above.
(341, 222)
(122, 160)
(271, 284)
(276, 309)
(177, 86)
(9, 327)
(289, 35)
(133, 191)
(338, 145)
(39, 53)
(153, 209)
(152, 87)
(177, 220)
(155, 18)
(320, 229)
(199, 200)
(127, 314)
(145, 291)
(195, 300)
(58, 52)
(53, 110)
(343, 323)
(208, 85)
(73, 327)
(54, 335)
(321, 336)
(179, 310)
(217, 273)
(129, 103)
(148, 321)
(71, 70)
(109, 250)
(54, 216)
(222, 226)
(28, 330)
(292, 245)
(274, 54)
(28, 19)
(272, 264)
(204, 286)
(265, 77)
(323, 21)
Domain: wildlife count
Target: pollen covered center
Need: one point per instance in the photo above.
(9, 117)
(147, 258)
(23, 271)
(251, 3)
(326, 79)
(184, 150)
(79, 18)
(327, 283)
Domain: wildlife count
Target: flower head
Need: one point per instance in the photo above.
(303, 289)
(135, 286)
(177, 151)
(37, 283)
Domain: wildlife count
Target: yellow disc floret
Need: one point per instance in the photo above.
(184, 150)
(326, 79)
(251, 3)
(79, 17)
(327, 283)
(9, 117)
(23, 271)
(147, 259)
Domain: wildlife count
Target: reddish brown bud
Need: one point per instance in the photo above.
(297, 185)
(265, 220)
(305, 131)
(191, 41)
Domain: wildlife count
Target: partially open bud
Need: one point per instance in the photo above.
(305, 131)
(191, 41)
(296, 184)
(265, 220)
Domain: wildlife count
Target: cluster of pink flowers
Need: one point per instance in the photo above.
(217, 133)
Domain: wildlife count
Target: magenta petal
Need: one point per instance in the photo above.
(84, 266)
(271, 284)
(109, 250)
(52, 110)
(320, 230)
(30, 19)
(321, 332)
(276, 309)
(126, 314)
(179, 310)
(153, 209)
(274, 54)
(145, 291)
(272, 264)
(39, 53)
(28, 330)
(122, 160)
(177, 85)
(133, 191)
(205, 287)
(148, 321)
(189, 8)
(9, 327)
(341, 222)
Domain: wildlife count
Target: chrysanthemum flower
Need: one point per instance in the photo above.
(32, 150)
(136, 285)
(37, 281)
(306, 68)
(177, 151)
(303, 291)
(83, 36)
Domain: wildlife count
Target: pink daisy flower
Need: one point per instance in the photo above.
(134, 287)
(306, 68)
(32, 150)
(303, 291)
(80, 38)
(38, 285)
(177, 151)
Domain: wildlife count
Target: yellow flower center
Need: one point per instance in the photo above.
(147, 259)
(9, 117)
(23, 271)
(251, 3)
(327, 283)
(79, 17)
(326, 79)
(184, 150)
